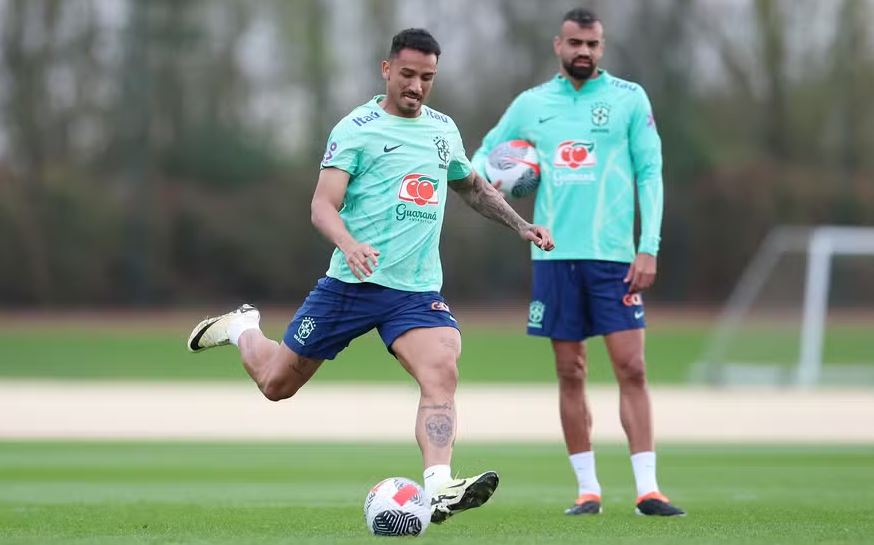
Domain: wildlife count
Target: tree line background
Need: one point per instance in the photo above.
(165, 152)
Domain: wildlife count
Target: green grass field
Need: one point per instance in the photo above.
(143, 493)
(492, 353)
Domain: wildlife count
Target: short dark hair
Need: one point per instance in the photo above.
(582, 17)
(414, 38)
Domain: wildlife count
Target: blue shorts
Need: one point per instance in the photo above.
(572, 300)
(336, 312)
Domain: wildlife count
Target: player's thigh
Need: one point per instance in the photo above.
(288, 367)
(429, 353)
(331, 316)
(557, 309)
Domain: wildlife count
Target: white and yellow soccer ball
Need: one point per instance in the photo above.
(397, 507)
(516, 166)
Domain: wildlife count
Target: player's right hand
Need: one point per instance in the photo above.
(362, 259)
(540, 236)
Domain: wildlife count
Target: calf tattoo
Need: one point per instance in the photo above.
(439, 428)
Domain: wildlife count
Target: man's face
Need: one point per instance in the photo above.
(408, 79)
(579, 49)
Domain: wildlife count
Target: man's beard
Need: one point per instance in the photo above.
(579, 72)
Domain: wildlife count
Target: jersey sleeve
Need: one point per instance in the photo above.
(508, 128)
(343, 150)
(459, 166)
(646, 157)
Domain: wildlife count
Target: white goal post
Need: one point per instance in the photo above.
(820, 245)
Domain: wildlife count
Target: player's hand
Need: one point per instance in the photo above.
(641, 273)
(362, 259)
(540, 236)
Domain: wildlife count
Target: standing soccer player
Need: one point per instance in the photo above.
(597, 142)
(380, 199)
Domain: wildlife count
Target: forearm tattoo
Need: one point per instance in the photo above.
(440, 429)
(485, 199)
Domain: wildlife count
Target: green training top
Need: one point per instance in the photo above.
(399, 168)
(594, 145)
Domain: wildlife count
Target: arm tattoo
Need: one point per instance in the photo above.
(485, 199)
(440, 429)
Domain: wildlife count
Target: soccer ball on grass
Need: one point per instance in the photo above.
(397, 507)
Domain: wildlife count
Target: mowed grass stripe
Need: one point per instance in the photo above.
(58, 492)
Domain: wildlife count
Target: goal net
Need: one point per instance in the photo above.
(802, 313)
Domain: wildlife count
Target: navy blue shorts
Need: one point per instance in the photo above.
(336, 312)
(572, 300)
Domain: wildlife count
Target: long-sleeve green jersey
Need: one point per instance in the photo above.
(595, 146)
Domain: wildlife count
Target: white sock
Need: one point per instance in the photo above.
(249, 320)
(584, 466)
(435, 477)
(644, 466)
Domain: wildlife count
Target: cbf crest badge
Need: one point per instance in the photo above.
(535, 314)
(307, 326)
(600, 114)
(442, 151)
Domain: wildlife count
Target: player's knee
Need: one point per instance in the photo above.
(277, 390)
(442, 375)
(632, 371)
(571, 369)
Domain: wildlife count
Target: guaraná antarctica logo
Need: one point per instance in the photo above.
(575, 154)
(421, 190)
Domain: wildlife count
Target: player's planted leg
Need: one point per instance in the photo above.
(430, 356)
(576, 424)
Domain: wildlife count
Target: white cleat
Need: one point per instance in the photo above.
(214, 331)
(462, 494)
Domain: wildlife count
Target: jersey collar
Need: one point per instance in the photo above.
(591, 86)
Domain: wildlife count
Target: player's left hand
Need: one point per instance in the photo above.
(641, 273)
(540, 236)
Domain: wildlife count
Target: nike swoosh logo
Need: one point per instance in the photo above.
(638, 315)
(462, 483)
(387, 149)
(545, 119)
(195, 342)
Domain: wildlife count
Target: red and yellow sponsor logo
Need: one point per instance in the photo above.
(440, 305)
(632, 300)
(419, 188)
(575, 154)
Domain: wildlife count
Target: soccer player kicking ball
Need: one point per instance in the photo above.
(597, 143)
(380, 199)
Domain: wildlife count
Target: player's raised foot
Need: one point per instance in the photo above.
(214, 331)
(587, 504)
(656, 504)
(462, 494)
